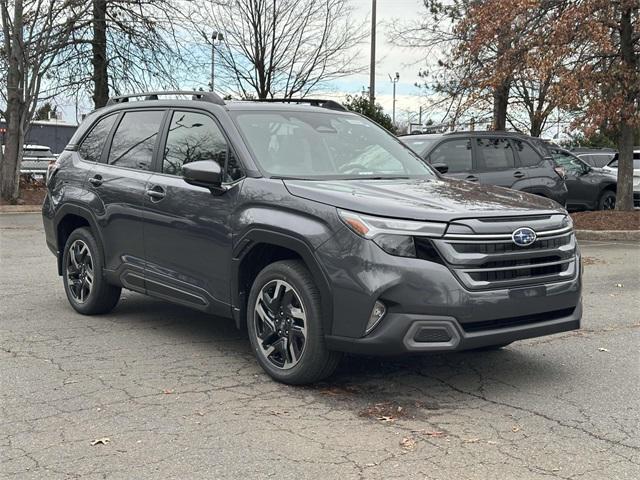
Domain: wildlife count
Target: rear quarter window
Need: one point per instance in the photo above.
(91, 147)
(526, 153)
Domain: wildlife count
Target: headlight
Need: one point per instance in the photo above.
(394, 236)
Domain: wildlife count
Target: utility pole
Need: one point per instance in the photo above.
(215, 36)
(394, 80)
(372, 68)
(420, 116)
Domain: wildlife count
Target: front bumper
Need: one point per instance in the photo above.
(429, 308)
(405, 333)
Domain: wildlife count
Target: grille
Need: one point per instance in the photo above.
(494, 261)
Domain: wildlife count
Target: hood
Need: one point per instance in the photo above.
(437, 199)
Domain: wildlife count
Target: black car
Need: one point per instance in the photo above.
(589, 188)
(314, 229)
(493, 158)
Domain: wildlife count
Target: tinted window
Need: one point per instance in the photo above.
(91, 147)
(194, 137)
(527, 155)
(455, 153)
(495, 153)
(135, 139)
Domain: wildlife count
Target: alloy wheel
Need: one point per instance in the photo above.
(79, 270)
(280, 324)
(609, 203)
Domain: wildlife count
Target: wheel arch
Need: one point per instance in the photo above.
(259, 248)
(69, 218)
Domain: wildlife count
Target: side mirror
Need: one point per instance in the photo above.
(441, 167)
(204, 173)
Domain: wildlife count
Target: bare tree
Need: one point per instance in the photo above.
(33, 32)
(283, 47)
(121, 45)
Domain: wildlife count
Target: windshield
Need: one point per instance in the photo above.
(419, 145)
(312, 145)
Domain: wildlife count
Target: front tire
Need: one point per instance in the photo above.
(284, 320)
(82, 262)
(607, 200)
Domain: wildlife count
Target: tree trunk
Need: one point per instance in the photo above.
(99, 49)
(10, 169)
(500, 103)
(624, 197)
(536, 126)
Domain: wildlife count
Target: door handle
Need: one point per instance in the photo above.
(471, 178)
(156, 193)
(96, 180)
(518, 174)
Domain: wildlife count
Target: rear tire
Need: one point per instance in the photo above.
(82, 274)
(284, 321)
(607, 200)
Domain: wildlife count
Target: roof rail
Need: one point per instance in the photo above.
(210, 97)
(315, 102)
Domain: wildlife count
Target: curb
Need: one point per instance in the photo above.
(20, 208)
(610, 235)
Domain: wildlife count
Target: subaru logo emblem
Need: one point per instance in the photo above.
(523, 236)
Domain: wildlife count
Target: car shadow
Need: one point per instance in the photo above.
(413, 382)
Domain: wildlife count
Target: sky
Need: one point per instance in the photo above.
(389, 60)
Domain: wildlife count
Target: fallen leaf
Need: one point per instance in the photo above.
(602, 349)
(470, 440)
(278, 412)
(167, 391)
(385, 418)
(408, 443)
(101, 441)
(515, 428)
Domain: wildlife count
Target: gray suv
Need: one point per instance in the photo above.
(505, 159)
(313, 228)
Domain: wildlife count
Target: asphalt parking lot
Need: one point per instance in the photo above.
(165, 392)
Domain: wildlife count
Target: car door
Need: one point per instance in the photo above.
(583, 188)
(187, 232)
(118, 185)
(456, 154)
(496, 162)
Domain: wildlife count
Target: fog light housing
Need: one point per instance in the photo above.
(376, 315)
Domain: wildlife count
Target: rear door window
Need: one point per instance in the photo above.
(92, 145)
(456, 154)
(135, 139)
(495, 154)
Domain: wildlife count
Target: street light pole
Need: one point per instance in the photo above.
(215, 36)
(372, 67)
(394, 80)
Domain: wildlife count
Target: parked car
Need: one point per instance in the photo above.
(504, 159)
(35, 159)
(589, 188)
(612, 167)
(316, 230)
(594, 157)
